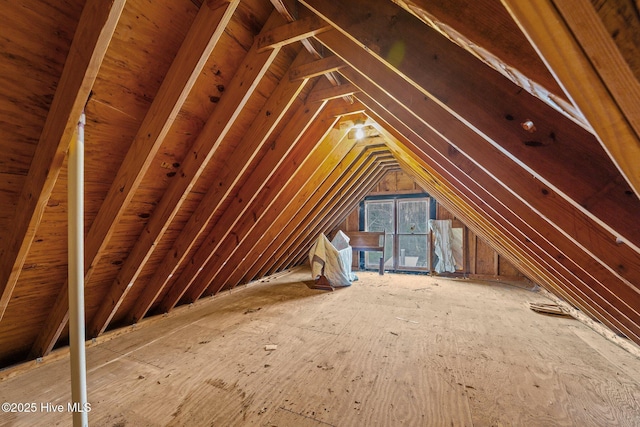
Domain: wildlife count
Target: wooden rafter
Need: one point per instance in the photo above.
(334, 207)
(232, 227)
(557, 152)
(301, 228)
(339, 208)
(576, 46)
(455, 185)
(211, 203)
(531, 246)
(259, 250)
(484, 29)
(292, 191)
(211, 139)
(90, 42)
(554, 210)
(185, 69)
(267, 243)
(307, 183)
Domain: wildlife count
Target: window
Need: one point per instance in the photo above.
(405, 222)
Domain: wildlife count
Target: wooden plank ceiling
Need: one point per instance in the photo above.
(220, 143)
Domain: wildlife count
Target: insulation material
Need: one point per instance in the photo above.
(332, 260)
(441, 229)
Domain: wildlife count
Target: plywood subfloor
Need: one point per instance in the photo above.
(391, 350)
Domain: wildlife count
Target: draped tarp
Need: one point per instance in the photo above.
(332, 260)
(441, 228)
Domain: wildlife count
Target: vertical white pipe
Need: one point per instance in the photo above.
(75, 218)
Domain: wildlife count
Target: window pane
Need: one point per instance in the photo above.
(379, 216)
(412, 216)
(413, 251)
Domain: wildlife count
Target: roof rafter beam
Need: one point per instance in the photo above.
(450, 179)
(262, 242)
(572, 40)
(555, 150)
(337, 208)
(279, 247)
(194, 52)
(211, 203)
(334, 207)
(513, 215)
(90, 43)
(226, 189)
(309, 146)
(290, 196)
(271, 114)
(584, 237)
(278, 219)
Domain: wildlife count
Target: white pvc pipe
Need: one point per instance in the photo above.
(75, 219)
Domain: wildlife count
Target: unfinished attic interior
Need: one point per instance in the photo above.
(220, 139)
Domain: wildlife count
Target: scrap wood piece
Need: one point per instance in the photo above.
(320, 283)
(546, 308)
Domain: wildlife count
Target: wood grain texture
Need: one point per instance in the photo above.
(457, 157)
(485, 30)
(90, 42)
(280, 228)
(592, 76)
(286, 185)
(358, 180)
(535, 266)
(180, 78)
(389, 350)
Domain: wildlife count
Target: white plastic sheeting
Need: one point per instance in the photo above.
(332, 260)
(441, 228)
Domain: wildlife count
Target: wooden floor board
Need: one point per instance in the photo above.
(389, 350)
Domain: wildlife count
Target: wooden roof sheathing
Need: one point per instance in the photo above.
(219, 143)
